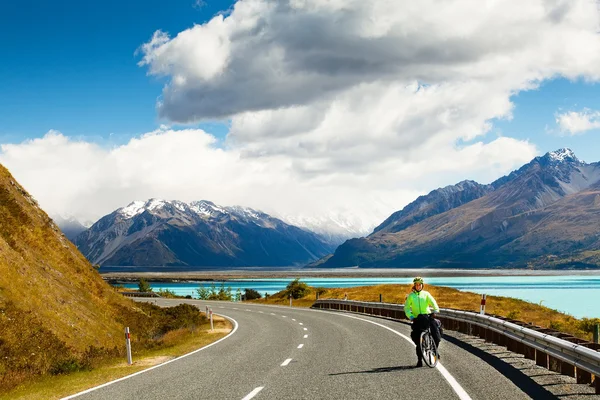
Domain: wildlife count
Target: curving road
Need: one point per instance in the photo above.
(293, 353)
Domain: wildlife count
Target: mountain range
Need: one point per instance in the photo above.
(174, 233)
(545, 214)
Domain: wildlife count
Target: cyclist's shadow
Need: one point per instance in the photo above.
(378, 370)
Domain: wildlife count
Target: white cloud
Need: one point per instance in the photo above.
(333, 105)
(71, 177)
(576, 122)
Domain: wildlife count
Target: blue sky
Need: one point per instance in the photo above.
(71, 65)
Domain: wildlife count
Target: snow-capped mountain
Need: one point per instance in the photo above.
(70, 226)
(334, 227)
(161, 232)
(548, 207)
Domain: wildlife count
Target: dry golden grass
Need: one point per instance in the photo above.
(449, 298)
(176, 343)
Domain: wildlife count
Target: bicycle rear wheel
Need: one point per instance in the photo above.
(429, 349)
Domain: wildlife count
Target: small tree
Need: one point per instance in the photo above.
(297, 289)
(251, 294)
(203, 293)
(144, 286)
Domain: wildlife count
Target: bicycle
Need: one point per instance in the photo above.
(428, 348)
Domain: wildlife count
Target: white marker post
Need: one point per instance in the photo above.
(290, 300)
(206, 311)
(128, 346)
(482, 311)
(211, 320)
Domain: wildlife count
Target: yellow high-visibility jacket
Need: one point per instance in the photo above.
(420, 303)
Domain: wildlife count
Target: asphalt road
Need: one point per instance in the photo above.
(295, 353)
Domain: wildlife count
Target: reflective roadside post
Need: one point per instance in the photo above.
(128, 346)
(290, 299)
(482, 310)
(211, 320)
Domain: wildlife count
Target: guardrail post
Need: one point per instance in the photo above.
(482, 309)
(596, 333)
(583, 377)
(554, 364)
(380, 298)
(541, 358)
(128, 346)
(529, 352)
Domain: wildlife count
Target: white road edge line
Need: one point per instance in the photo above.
(286, 362)
(235, 327)
(462, 394)
(300, 346)
(253, 393)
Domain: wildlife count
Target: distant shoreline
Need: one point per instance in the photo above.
(219, 275)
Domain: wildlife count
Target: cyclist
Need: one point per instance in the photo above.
(417, 307)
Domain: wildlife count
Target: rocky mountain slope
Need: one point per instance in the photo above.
(174, 233)
(545, 210)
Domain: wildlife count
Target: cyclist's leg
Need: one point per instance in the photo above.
(415, 335)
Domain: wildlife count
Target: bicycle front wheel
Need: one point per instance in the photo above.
(428, 349)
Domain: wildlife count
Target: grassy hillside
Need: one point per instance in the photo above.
(452, 298)
(53, 304)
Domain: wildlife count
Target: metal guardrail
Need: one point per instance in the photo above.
(140, 294)
(556, 351)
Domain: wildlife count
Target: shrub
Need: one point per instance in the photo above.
(251, 294)
(144, 286)
(296, 289)
(215, 294)
(203, 293)
(514, 314)
(166, 293)
(588, 325)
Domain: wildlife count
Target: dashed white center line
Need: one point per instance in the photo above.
(248, 309)
(221, 307)
(261, 312)
(300, 323)
(305, 329)
(286, 362)
(305, 336)
(284, 316)
(234, 308)
(272, 313)
(253, 393)
(300, 346)
(293, 319)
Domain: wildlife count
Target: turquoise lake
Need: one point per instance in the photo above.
(578, 295)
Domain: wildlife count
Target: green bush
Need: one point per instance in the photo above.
(514, 314)
(166, 293)
(144, 286)
(588, 325)
(297, 289)
(215, 294)
(251, 294)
